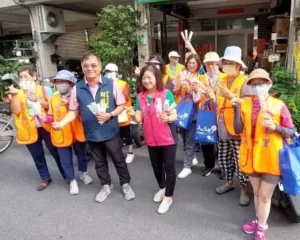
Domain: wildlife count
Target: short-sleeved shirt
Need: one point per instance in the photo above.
(285, 115)
(48, 91)
(118, 95)
(169, 96)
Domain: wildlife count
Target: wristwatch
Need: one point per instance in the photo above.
(111, 116)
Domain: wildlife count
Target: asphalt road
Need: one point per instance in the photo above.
(197, 212)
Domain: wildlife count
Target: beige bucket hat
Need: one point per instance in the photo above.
(211, 57)
(258, 73)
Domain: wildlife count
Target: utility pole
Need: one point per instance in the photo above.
(290, 58)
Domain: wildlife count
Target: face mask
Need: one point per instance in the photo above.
(260, 90)
(229, 69)
(27, 85)
(111, 75)
(23, 85)
(63, 88)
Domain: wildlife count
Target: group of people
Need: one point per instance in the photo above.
(98, 110)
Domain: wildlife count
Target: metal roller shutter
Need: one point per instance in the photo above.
(72, 45)
(264, 27)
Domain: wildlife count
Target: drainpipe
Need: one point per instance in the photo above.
(165, 36)
(291, 40)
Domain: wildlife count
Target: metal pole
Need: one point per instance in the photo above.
(165, 35)
(291, 40)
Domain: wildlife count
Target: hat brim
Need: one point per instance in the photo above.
(177, 56)
(258, 77)
(57, 78)
(110, 70)
(154, 62)
(232, 59)
(216, 60)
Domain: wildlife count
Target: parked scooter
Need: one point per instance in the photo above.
(290, 204)
(137, 134)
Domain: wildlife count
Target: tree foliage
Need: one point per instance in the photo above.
(117, 36)
(6, 67)
(284, 82)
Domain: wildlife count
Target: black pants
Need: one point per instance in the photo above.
(99, 152)
(163, 164)
(209, 154)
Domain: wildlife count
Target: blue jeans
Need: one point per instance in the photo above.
(37, 152)
(66, 159)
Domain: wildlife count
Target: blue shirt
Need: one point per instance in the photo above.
(202, 70)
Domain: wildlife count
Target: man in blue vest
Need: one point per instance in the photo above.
(101, 129)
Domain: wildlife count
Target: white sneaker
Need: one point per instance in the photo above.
(74, 187)
(129, 158)
(184, 173)
(103, 194)
(165, 206)
(195, 161)
(86, 178)
(159, 196)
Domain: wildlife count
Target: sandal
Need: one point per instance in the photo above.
(44, 184)
(224, 189)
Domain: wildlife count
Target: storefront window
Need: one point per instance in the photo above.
(208, 25)
(250, 23)
(230, 40)
(228, 24)
(204, 44)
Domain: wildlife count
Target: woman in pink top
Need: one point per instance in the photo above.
(155, 109)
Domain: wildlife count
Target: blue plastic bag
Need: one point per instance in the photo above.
(206, 126)
(185, 114)
(290, 167)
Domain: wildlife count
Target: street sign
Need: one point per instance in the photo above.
(151, 1)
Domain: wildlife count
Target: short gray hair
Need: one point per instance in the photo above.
(30, 68)
(88, 55)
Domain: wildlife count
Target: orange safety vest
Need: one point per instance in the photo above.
(26, 127)
(182, 92)
(204, 80)
(225, 105)
(122, 85)
(261, 153)
(178, 69)
(70, 132)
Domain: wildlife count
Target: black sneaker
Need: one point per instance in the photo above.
(198, 147)
(206, 172)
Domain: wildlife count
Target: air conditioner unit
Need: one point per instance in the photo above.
(51, 20)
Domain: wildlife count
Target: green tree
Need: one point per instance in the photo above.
(6, 67)
(284, 83)
(117, 37)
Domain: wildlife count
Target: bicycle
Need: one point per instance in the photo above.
(7, 128)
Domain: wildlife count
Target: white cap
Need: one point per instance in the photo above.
(234, 54)
(111, 67)
(174, 54)
(211, 57)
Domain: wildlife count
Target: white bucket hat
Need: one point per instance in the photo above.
(174, 54)
(234, 54)
(211, 57)
(111, 67)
